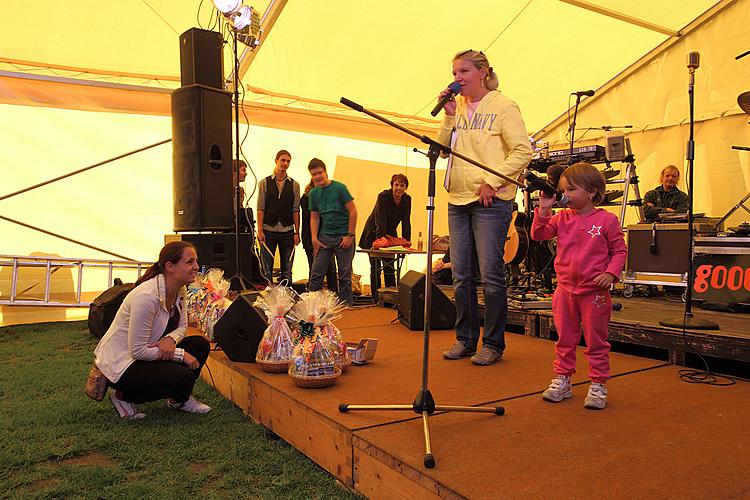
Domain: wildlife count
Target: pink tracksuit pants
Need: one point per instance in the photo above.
(593, 311)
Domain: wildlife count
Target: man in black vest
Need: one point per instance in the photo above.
(278, 218)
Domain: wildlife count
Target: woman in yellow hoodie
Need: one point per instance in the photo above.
(486, 126)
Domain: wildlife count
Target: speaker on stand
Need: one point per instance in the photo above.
(202, 159)
(201, 58)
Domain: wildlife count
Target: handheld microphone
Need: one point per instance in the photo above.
(535, 183)
(455, 88)
(587, 93)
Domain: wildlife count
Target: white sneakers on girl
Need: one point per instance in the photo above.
(559, 389)
(192, 405)
(596, 399)
(126, 409)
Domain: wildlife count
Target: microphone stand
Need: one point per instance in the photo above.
(687, 320)
(424, 403)
(572, 129)
(236, 171)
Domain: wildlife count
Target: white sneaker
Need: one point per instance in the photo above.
(126, 409)
(192, 405)
(596, 399)
(559, 389)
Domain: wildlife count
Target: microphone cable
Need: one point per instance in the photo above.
(698, 376)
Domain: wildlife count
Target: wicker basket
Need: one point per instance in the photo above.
(317, 382)
(273, 366)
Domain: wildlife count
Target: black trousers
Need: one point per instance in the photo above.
(388, 268)
(146, 381)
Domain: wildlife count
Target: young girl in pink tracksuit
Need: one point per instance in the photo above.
(591, 253)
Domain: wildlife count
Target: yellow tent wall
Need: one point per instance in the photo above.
(126, 206)
(654, 100)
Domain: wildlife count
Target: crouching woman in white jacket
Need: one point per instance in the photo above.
(145, 354)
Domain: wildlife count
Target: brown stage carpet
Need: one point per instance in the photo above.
(658, 437)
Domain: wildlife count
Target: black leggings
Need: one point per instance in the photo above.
(145, 381)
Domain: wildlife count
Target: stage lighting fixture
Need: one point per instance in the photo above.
(242, 18)
(227, 7)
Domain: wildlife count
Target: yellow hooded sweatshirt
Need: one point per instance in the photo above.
(495, 136)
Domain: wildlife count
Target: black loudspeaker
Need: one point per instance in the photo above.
(411, 304)
(240, 329)
(202, 159)
(217, 250)
(201, 58)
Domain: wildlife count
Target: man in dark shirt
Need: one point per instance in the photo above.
(665, 198)
(393, 207)
(278, 218)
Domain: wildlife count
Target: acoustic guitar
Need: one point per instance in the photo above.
(517, 242)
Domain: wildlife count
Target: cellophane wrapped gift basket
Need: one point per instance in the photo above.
(275, 348)
(207, 300)
(330, 310)
(313, 359)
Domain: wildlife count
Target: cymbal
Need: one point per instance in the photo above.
(744, 101)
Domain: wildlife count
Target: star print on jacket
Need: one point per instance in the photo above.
(583, 254)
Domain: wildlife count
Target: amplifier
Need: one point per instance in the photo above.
(721, 270)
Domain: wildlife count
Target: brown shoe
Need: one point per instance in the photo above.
(486, 356)
(458, 351)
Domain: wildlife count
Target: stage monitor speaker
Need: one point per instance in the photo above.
(240, 329)
(202, 159)
(217, 250)
(201, 58)
(411, 304)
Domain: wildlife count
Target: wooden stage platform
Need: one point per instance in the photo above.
(658, 436)
(637, 325)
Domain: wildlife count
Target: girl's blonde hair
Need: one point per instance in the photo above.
(479, 60)
(588, 177)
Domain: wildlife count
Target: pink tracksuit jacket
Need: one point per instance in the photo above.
(587, 245)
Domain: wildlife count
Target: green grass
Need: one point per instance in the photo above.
(56, 442)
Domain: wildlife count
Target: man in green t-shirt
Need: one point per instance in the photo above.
(333, 219)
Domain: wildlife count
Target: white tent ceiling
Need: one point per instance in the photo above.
(387, 55)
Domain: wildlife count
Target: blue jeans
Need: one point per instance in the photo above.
(331, 279)
(485, 228)
(322, 260)
(285, 243)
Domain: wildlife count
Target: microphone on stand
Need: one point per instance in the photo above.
(693, 62)
(587, 93)
(455, 88)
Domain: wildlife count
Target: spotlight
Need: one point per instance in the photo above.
(242, 19)
(227, 7)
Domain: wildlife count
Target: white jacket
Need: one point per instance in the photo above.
(141, 320)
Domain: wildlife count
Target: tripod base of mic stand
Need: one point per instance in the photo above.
(424, 405)
(689, 322)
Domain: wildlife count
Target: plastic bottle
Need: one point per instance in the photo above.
(420, 243)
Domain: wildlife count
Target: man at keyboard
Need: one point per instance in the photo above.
(665, 198)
